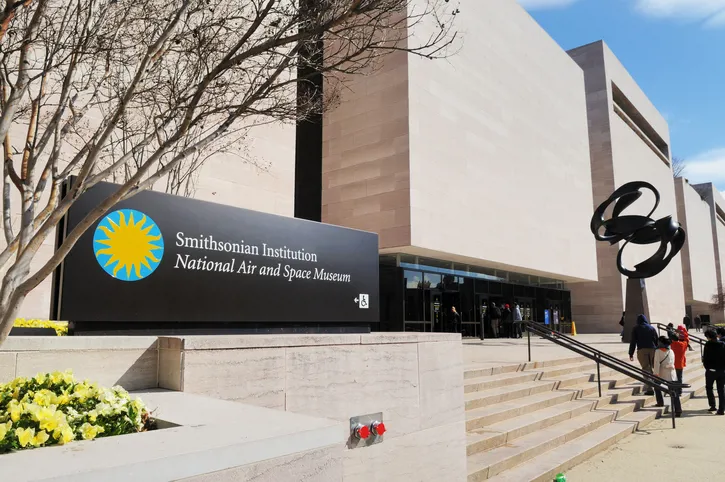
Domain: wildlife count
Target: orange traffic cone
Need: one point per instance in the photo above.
(573, 328)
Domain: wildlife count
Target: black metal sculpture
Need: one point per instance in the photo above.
(637, 229)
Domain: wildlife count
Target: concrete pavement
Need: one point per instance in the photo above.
(691, 452)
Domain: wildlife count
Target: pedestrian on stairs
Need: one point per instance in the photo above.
(684, 330)
(713, 358)
(664, 365)
(679, 348)
(644, 339)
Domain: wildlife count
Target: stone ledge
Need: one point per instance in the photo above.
(55, 343)
(214, 435)
(230, 342)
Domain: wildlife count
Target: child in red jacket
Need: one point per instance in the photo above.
(679, 348)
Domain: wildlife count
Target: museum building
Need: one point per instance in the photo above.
(480, 174)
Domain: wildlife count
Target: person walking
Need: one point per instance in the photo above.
(713, 358)
(495, 319)
(506, 321)
(455, 320)
(621, 323)
(698, 323)
(683, 329)
(679, 348)
(517, 322)
(644, 339)
(664, 367)
(687, 322)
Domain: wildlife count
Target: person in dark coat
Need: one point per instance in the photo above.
(687, 322)
(645, 340)
(495, 320)
(713, 358)
(507, 321)
(455, 320)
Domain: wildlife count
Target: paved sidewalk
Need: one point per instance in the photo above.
(691, 452)
(502, 351)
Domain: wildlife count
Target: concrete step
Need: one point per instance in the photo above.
(485, 465)
(500, 433)
(535, 365)
(488, 415)
(474, 371)
(545, 466)
(496, 381)
(503, 394)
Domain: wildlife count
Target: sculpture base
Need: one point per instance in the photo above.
(635, 305)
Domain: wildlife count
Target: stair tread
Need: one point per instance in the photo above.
(539, 467)
(526, 420)
(491, 370)
(500, 377)
(517, 403)
(483, 460)
(505, 390)
(537, 416)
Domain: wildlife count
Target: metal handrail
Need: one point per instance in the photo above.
(671, 388)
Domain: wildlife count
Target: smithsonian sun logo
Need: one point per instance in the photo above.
(128, 245)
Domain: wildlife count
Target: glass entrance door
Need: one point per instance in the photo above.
(482, 321)
(436, 309)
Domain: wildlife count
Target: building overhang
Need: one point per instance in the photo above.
(477, 262)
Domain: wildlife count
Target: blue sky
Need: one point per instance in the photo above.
(675, 50)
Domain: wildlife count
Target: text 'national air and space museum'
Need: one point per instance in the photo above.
(479, 174)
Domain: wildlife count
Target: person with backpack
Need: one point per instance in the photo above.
(495, 319)
(664, 367)
(645, 340)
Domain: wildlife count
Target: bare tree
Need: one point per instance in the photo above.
(131, 91)
(679, 165)
(718, 300)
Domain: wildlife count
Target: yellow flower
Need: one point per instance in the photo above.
(40, 439)
(92, 415)
(81, 392)
(40, 378)
(25, 436)
(56, 378)
(44, 398)
(16, 410)
(50, 419)
(62, 399)
(89, 432)
(68, 376)
(64, 435)
(4, 429)
(18, 382)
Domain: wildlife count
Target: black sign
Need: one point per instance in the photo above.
(163, 258)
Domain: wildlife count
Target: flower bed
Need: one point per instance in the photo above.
(55, 409)
(60, 327)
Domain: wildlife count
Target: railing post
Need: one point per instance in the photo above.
(528, 336)
(672, 407)
(599, 377)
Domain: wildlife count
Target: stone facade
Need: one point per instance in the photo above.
(629, 142)
(481, 158)
(716, 203)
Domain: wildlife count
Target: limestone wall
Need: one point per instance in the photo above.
(415, 380)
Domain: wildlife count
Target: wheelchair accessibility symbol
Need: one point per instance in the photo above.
(363, 301)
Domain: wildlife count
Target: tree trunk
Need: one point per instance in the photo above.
(11, 298)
